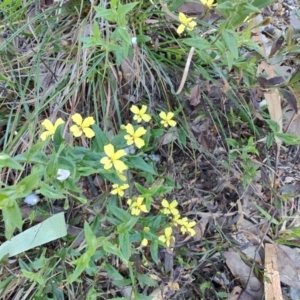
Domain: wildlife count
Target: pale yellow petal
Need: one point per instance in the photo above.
(146, 118)
(165, 203)
(139, 142)
(134, 109)
(89, 133)
(168, 231)
(106, 162)
(130, 129)
(109, 150)
(172, 123)
(120, 166)
(45, 134)
(119, 154)
(143, 109)
(140, 131)
(163, 115)
(77, 119)
(58, 122)
(88, 122)
(76, 131)
(48, 125)
(183, 18)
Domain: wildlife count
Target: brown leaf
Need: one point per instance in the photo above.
(240, 270)
(289, 96)
(195, 95)
(266, 83)
(277, 45)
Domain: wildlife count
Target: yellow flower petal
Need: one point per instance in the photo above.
(120, 166)
(44, 135)
(119, 154)
(109, 150)
(139, 143)
(129, 129)
(77, 119)
(144, 242)
(89, 133)
(168, 231)
(106, 162)
(48, 125)
(182, 18)
(88, 122)
(134, 109)
(58, 122)
(140, 131)
(76, 131)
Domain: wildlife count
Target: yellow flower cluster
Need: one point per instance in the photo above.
(81, 126)
(185, 226)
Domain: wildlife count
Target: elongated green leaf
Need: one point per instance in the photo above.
(126, 227)
(50, 192)
(125, 246)
(230, 40)
(27, 185)
(108, 14)
(138, 163)
(7, 161)
(289, 139)
(125, 9)
(100, 139)
(51, 229)
(110, 248)
(12, 218)
(199, 43)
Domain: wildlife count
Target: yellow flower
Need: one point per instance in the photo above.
(167, 238)
(113, 159)
(82, 126)
(169, 208)
(137, 206)
(187, 227)
(208, 3)
(121, 176)
(167, 119)
(50, 128)
(140, 114)
(186, 23)
(119, 189)
(135, 136)
(176, 220)
(145, 242)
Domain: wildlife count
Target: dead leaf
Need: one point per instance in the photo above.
(265, 83)
(289, 265)
(241, 271)
(276, 46)
(195, 95)
(238, 294)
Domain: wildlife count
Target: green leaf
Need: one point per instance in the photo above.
(47, 231)
(12, 218)
(50, 192)
(108, 14)
(126, 227)
(146, 280)
(141, 189)
(154, 251)
(289, 139)
(121, 214)
(113, 273)
(266, 214)
(138, 163)
(125, 245)
(90, 237)
(7, 161)
(199, 43)
(100, 140)
(123, 10)
(110, 248)
(27, 185)
(262, 3)
(230, 39)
